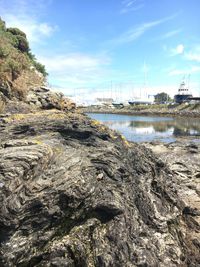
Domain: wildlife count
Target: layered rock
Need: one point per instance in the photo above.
(74, 193)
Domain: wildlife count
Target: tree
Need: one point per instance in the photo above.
(162, 97)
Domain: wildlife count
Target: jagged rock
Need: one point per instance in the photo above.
(73, 193)
(36, 99)
(43, 98)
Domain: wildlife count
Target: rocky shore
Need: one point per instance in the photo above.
(74, 193)
(183, 110)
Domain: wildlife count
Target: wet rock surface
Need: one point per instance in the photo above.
(74, 193)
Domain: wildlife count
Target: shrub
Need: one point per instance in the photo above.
(23, 44)
(12, 39)
(16, 31)
(18, 41)
(2, 25)
(4, 51)
(31, 56)
(41, 68)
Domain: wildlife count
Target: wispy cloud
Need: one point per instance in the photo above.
(167, 35)
(131, 5)
(170, 34)
(76, 68)
(27, 18)
(192, 69)
(193, 54)
(136, 32)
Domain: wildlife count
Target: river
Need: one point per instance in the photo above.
(151, 128)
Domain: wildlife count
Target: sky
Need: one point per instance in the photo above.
(112, 48)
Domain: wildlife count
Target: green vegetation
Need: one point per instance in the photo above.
(40, 67)
(19, 68)
(147, 107)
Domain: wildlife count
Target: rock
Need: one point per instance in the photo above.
(36, 99)
(74, 193)
(185, 168)
(43, 98)
(5, 90)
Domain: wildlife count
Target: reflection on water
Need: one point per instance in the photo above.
(145, 128)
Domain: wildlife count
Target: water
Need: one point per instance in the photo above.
(148, 128)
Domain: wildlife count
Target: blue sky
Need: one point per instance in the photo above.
(91, 46)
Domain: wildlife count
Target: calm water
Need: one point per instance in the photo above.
(146, 128)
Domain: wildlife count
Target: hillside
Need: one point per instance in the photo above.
(19, 70)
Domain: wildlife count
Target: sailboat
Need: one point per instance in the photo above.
(145, 99)
(117, 103)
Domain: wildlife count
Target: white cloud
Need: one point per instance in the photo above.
(136, 32)
(178, 50)
(46, 29)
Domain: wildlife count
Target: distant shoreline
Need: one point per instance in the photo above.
(191, 111)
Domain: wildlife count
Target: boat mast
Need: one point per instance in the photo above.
(145, 79)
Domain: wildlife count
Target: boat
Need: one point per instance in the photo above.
(141, 101)
(183, 94)
(117, 104)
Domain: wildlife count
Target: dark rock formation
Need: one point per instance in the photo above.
(74, 193)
